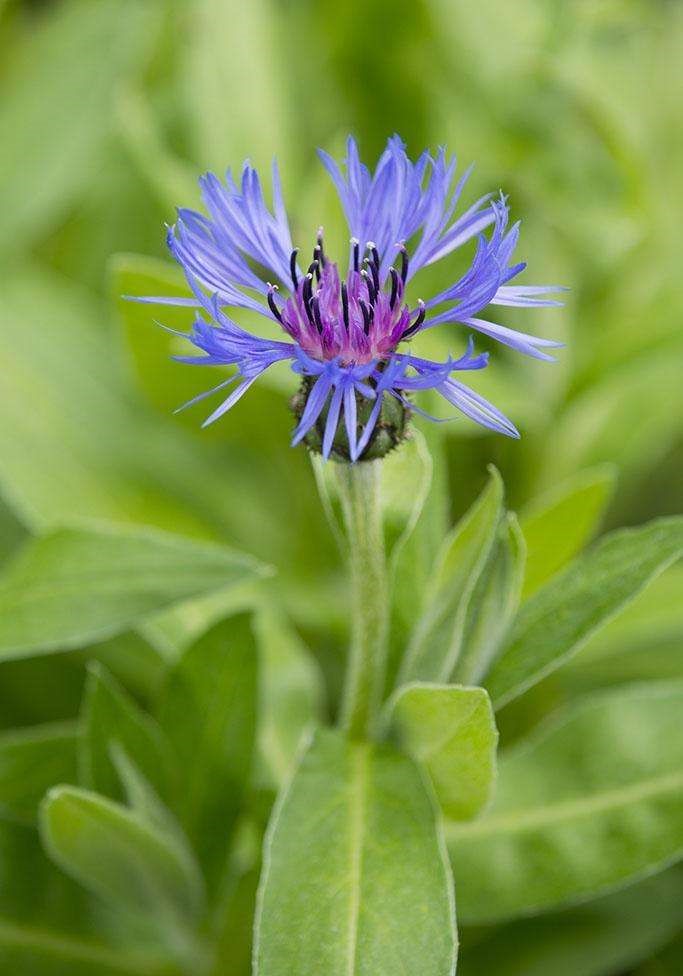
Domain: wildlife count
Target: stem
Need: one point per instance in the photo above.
(359, 490)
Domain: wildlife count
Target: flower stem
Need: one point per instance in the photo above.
(359, 490)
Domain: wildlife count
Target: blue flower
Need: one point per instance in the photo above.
(346, 335)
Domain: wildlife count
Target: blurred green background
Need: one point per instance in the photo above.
(109, 111)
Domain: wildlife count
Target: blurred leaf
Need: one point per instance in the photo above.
(75, 585)
(148, 348)
(335, 899)
(437, 636)
(144, 801)
(291, 694)
(604, 936)
(630, 417)
(60, 94)
(208, 712)
(591, 802)
(493, 604)
(451, 731)
(31, 761)
(172, 180)
(417, 547)
(406, 482)
(34, 891)
(83, 445)
(132, 660)
(33, 951)
(570, 608)
(110, 718)
(234, 937)
(557, 525)
(666, 963)
(229, 42)
(120, 857)
(654, 618)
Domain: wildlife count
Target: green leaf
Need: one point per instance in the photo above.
(493, 605)
(119, 856)
(591, 802)
(252, 34)
(164, 382)
(557, 525)
(75, 585)
(111, 717)
(86, 445)
(31, 761)
(37, 952)
(421, 536)
(291, 694)
(654, 620)
(608, 935)
(233, 948)
(354, 879)
(208, 712)
(437, 638)
(451, 731)
(665, 963)
(60, 94)
(570, 608)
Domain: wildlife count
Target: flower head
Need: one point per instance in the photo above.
(347, 332)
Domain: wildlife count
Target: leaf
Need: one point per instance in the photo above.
(591, 802)
(652, 623)
(233, 948)
(117, 855)
(31, 761)
(354, 879)
(570, 608)
(421, 537)
(87, 446)
(451, 731)
(60, 94)
(33, 951)
(557, 525)
(75, 585)
(149, 348)
(252, 34)
(437, 638)
(291, 694)
(493, 604)
(208, 712)
(111, 718)
(144, 801)
(608, 935)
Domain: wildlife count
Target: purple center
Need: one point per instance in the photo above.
(356, 320)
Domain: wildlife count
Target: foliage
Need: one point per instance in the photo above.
(174, 607)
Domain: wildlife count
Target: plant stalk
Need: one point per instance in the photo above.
(359, 491)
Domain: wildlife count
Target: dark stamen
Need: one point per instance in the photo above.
(319, 259)
(307, 294)
(320, 248)
(404, 263)
(345, 304)
(314, 269)
(372, 291)
(315, 307)
(374, 268)
(355, 244)
(394, 287)
(412, 329)
(271, 302)
(367, 315)
(372, 248)
(292, 268)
